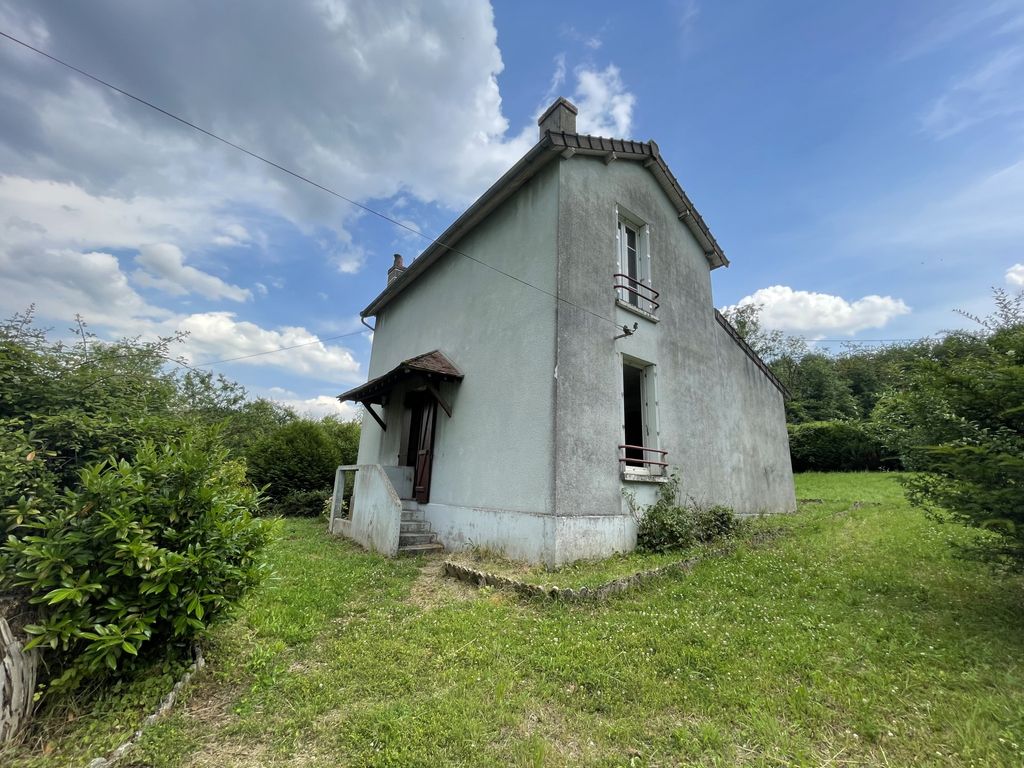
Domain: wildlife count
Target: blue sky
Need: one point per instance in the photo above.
(862, 164)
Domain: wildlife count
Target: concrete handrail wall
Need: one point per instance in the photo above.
(375, 514)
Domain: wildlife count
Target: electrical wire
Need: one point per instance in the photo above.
(296, 175)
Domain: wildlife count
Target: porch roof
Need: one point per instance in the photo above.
(432, 366)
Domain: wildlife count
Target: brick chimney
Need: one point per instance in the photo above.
(396, 269)
(560, 117)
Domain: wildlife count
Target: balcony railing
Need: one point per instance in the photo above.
(636, 293)
(635, 457)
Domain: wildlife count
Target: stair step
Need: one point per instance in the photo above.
(410, 504)
(415, 526)
(421, 549)
(412, 516)
(427, 537)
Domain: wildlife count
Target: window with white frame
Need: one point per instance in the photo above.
(639, 453)
(633, 255)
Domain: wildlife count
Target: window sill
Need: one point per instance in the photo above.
(636, 310)
(642, 477)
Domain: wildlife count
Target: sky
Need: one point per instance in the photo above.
(861, 164)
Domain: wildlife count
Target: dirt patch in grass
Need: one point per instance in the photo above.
(431, 589)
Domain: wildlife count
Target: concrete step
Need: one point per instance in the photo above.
(410, 504)
(405, 539)
(421, 549)
(412, 516)
(415, 526)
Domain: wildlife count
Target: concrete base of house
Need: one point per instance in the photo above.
(531, 536)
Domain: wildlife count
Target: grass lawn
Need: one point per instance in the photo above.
(855, 639)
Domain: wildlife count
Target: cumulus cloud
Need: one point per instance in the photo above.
(1015, 275)
(63, 282)
(350, 259)
(606, 106)
(320, 406)
(163, 267)
(221, 335)
(816, 314)
(430, 118)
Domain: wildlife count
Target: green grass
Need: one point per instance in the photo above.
(585, 573)
(856, 639)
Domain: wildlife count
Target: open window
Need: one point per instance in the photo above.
(639, 454)
(633, 256)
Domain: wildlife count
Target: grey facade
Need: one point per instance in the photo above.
(531, 462)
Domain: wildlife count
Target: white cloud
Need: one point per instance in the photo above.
(220, 336)
(350, 260)
(816, 314)
(261, 289)
(163, 267)
(63, 282)
(606, 107)
(320, 406)
(1015, 275)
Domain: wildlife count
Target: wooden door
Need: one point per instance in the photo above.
(424, 417)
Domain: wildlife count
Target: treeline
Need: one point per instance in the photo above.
(135, 495)
(951, 411)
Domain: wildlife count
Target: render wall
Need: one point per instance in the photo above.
(494, 455)
(718, 416)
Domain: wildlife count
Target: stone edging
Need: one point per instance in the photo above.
(165, 706)
(569, 594)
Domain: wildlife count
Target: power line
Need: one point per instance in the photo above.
(295, 174)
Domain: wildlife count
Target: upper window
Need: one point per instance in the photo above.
(633, 279)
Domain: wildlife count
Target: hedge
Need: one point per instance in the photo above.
(833, 446)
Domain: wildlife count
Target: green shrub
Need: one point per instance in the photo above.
(301, 504)
(711, 523)
(301, 457)
(833, 446)
(142, 555)
(667, 525)
(664, 528)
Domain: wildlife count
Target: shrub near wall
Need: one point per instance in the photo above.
(833, 446)
(141, 556)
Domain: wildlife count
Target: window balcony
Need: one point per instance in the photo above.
(635, 464)
(635, 295)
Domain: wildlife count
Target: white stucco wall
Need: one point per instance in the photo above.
(494, 455)
(719, 417)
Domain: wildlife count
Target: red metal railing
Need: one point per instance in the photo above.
(644, 294)
(640, 461)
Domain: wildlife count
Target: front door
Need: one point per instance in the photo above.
(421, 443)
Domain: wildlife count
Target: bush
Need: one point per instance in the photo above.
(301, 504)
(142, 555)
(667, 525)
(300, 458)
(710, 523)
(833, 446)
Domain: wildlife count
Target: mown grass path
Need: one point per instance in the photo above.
(855, 639)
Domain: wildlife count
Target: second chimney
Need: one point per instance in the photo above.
(396, 269)
(560, 117)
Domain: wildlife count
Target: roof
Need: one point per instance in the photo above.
(430, 365)
(749, 352)
(551, 146)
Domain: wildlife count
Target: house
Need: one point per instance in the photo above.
(542, 367)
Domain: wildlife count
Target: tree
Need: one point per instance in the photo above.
(976, 476)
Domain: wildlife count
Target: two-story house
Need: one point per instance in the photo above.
(553, 352)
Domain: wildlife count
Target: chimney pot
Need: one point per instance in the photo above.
(560, 117)
(396, 269)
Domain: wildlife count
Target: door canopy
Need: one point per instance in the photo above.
(431, 368)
